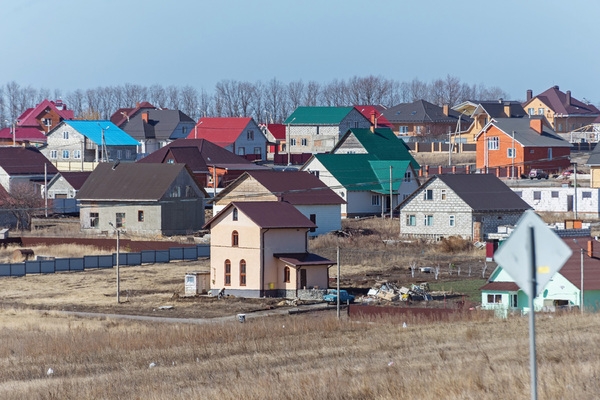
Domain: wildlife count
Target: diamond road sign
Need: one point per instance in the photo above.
(515, 255)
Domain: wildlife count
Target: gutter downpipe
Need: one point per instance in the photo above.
(262, 264)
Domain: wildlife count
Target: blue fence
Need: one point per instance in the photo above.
(105, 261)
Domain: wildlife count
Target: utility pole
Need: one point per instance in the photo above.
(46, 190)
(288, 141)
(338, 282)
(391, 195)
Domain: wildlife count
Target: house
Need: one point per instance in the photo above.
(45, 116)
(22, 136)
(276, 140)
(594, 163)
(562, 199)
(24, 165)
(145, 199)
(208, 162)
(374, 114)
(89, 141)
(519, 145)
(564, 112)
(154, 128)
(363, 181)
(63, 188)
(482, 112)
(502, 294)
(241, 136)
(260, 248)
(318, 129)
(421, 119)
(466, 205)
(303, 190)
(123, 114)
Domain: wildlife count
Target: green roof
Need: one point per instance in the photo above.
(318, 115)
(362, 172)
(383, 144)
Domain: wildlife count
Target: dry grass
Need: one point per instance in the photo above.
(442, 158)
(300, 357)
(58, 251)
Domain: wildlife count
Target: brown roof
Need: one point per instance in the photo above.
(591, 265)
(129, 181)
(24, 161)
(268, 214)
(500, 286)
(76, 179)
(295, 187)
(300, 259)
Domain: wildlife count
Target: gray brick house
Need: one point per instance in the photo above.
(470, 206)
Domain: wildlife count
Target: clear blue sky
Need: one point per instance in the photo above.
(516, 45)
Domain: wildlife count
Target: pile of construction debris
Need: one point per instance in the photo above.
(389, 291)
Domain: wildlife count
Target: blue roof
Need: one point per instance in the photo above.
(113, 135)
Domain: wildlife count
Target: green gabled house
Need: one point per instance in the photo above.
(364, 181)
(318, 129)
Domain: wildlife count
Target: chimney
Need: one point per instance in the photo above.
(145, 116)
(590, 248)
(446, 109)
(529, 94)
(373, 121)
(568, 99)
(537, 125)
(25, 143)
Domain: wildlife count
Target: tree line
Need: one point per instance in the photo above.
(271, 101)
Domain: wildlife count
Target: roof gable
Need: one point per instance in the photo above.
(29, 117)
(268, 214)
(318, 115)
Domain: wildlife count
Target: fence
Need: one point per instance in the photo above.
(104, 261)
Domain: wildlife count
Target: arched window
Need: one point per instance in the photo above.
(235, 239)
(235, 214)
(227, 273)
(286, 274)
(243, 273)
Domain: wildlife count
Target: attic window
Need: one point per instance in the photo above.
(170, 161)
(250, 134)
(234, 214)
(413, 113)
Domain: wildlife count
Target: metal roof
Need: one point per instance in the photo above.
(268, 214)
(525, 135)
(93, 130)
(318, 115)
(24, 161)
(301, 259)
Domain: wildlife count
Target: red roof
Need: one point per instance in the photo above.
(500, 286)
(367, 111)
(121, 115)
(277, 130)
(221, 131)
(29, 117)
(591, 265)
(30, 134)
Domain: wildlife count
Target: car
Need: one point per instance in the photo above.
(331, 296)
(538, 173)
(569, 172)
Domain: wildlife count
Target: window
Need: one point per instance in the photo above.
(120, 220)
(234, 214)
(493, 143)
(235, 239)
(443, 194)
(250, 135)
(315, 173)
(428, 221)
(375, 200)
(411, 220)
(243, 273)
(65, 134)
(119, 154)
(419, 129)
(514, 301)
(510, 153)
(537, 195)
(540, 111)
(227, 273)
(286, 274)
(257, 150)
(170, 161)
(554, 194)
(183, 130)
(292, 142)
(586, 195)
(560, 127)
(403, 130)
(531, 111)
(428, 194)
(77, 154)
(140, 216)
(313, 219)
(176, 191)
(407, 176)
(452, 220)
(494, 298)
(241, 151)
(304, 142)
(519, 193)
(550, 154)
(65, 154)
(94, 220)
(53, 154)
(47, 122)
(128, 154)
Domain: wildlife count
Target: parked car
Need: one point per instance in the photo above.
(569, 172)
(331, 296)
(538, 173)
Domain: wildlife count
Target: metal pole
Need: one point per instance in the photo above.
(391, 195)
(581, 305)
(46, 190)
(14, 135)
(512, 173)
(118, 275)
(338, 282)
(214, 181)
(575, 202)
(532, 354)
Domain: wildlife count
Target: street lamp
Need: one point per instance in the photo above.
(575, 183)
(288, 141)
(118, 252)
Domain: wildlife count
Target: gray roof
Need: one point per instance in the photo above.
(594, 157)
(130, 181)
(481, 192)
(526, 136)
(421, 111)
(161, 125)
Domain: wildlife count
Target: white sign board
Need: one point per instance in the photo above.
(515, 255)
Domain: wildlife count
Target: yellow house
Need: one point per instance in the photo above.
(260, 249)
(482, 112)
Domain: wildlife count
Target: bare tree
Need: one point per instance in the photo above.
(76, 101)
(205, 105)
(275, 99)
(417, 90)
(312, 94)
(134, 94)
(23, 202)
(173, 97)
(92, 99)
(157, 96)
(189, 99)
(295, 92)
(246, 95)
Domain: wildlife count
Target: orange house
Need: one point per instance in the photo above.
(520, 144)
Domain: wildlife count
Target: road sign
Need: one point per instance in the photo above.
(515, 255)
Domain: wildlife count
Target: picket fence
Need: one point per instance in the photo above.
(51, 266)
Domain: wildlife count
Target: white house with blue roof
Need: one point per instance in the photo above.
(89, 141)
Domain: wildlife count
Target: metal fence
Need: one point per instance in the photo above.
(104, 261)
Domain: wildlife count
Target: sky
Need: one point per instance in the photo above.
(514, 45)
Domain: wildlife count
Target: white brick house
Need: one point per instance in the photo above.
(562, 199)
(470, 206)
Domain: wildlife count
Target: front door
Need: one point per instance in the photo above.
(302, 279)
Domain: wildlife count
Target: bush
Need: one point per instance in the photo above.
(454, 244)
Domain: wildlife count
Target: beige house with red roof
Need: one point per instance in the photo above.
(45, 116)
(315, 200)
(241, 136)
(260, 248)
